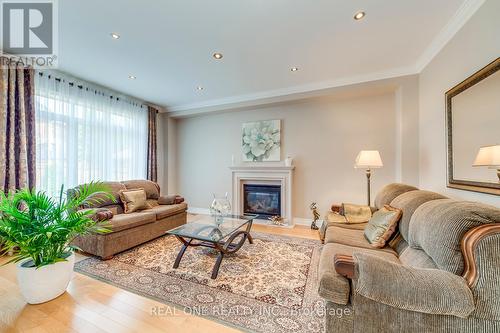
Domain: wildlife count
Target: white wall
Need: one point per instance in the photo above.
(473, 47)
(324, 137)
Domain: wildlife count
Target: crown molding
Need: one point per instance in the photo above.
(281, 95)
(461, 16)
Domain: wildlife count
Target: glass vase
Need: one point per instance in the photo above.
(220, 208)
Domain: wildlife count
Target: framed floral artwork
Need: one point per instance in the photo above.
(261, 141)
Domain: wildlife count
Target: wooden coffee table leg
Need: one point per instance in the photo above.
(185, 245)
(215, 271)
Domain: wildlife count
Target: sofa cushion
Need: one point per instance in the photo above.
(128, 221)
(152, 189)
(390, 192)
(327, 224)
(115, 209)
(408, 202)
(332, 286)
(150, 203)
(351, 237)
(438, 226)
(163, 211)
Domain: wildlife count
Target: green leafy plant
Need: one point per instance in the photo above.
(41, 228)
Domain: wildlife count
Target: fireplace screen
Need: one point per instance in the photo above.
(263, 200)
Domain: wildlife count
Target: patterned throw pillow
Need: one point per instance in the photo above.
(133, 200)
(382, 225)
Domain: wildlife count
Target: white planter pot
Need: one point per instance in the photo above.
(39, 285)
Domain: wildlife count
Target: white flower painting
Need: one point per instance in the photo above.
(261, 141)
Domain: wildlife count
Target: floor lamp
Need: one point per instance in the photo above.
(368, 159)
(489, 156)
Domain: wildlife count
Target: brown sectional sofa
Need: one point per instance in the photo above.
(129, 230)
(439, 273)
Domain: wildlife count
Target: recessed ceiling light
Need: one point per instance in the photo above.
(114, 35)
(294, 69)
(132, 77)
(359, 15)
(199, 88)
(217, 55)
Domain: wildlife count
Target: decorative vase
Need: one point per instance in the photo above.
(288, 161)
(40, 285)
(219, 208)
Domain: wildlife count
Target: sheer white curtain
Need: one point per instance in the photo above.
(83, 134)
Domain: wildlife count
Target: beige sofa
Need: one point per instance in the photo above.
(129, 230)
(440, 273)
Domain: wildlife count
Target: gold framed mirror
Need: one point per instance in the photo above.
(473, 125)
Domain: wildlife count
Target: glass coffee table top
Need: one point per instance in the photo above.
(205, 228)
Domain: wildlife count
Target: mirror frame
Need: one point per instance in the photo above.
(482, 187)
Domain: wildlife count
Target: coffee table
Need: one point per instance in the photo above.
(226, 237)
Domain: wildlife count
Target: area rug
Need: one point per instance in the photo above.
(268, 286)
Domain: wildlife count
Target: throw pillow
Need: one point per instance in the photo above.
(133, 200)
(382, 225)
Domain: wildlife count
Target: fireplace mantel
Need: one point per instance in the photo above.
(264, 174)
(258, 168)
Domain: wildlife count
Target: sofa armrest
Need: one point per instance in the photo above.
(166, 199)
(98, 214)
(172, 199)
(431, 291)
(344, 265)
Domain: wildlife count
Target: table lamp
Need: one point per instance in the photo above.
(489, 156)
(368, 159)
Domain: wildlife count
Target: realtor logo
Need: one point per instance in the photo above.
(29, 31)
(27, 27)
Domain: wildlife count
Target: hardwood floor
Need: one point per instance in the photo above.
(93, 306)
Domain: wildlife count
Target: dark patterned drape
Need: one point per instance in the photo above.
(152, 160)
(17, 127)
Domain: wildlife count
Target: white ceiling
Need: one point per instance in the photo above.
(168, 45)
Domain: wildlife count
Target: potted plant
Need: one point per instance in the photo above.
(39, 229)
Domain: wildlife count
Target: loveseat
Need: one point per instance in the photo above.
(440, 272)
(131, 229)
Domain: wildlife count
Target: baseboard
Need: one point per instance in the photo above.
(296, 220)
(307, 222)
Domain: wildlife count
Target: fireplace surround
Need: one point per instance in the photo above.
(272, 176)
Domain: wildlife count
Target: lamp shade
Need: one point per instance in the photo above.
(488, 156)
(368, 159)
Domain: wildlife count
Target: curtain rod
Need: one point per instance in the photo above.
(96, 91)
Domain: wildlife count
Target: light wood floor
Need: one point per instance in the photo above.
(93, 306)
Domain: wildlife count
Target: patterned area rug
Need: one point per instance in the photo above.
(268, 286)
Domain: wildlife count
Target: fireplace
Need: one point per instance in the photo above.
(273, 177)
(263, 200)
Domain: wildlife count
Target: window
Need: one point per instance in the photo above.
(84, 134)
